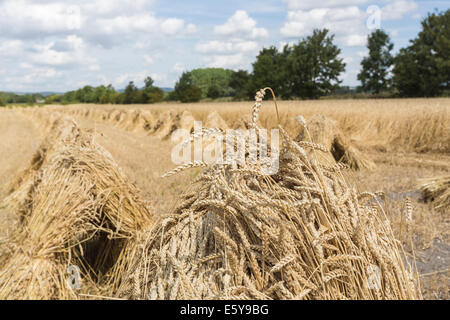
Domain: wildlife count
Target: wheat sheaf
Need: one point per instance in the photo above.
(302, 233)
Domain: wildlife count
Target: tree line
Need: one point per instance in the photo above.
(309, 69)
(14, 98)
(312, 68)
(108, 95)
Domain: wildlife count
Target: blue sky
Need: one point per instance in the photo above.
(48, 45)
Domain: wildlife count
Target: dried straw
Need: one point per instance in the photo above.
(436, 189)
(325, 132)
(302, 233)
(76, 208)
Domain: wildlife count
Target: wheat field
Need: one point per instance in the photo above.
(362, 183)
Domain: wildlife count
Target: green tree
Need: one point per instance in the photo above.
(423, 68)
(239, 83)
(269, 70)
(131, 94)
(155, 95)
(204, 78)
(53, 99)
(185, 90)
(192, 94)
(150, 93)
(171, 96)
(148, 83)
(374, 75)
(214, 91)
(2, 102)
(108, 95)
(314, 66)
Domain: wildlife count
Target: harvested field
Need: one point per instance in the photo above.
(341, 219)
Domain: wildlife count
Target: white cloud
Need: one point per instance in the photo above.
(224, 61)
(191, 28)
(115, 7)
(240, 46)
(121, 79)
(26, 65)
(178, 67)
(88, 19)
(396, 9)
(216, 46)
(34, 75)
(68, 51)
(355, 40)
(11, 48)
(159, 77)
(343, 18)
(240, 24)
(311, 4)
(23, 17)
(172, 26)
(348, 24)
(344, 21)
(94, 67)
(102, 79)
(126, 24)
(146, 23)
(136, 77)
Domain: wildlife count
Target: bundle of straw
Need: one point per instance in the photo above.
(302, 233)
(436, 189)
(325, 131)
(77, 208)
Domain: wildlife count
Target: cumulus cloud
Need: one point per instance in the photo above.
(121, 79)
(46, 35)
(126, 24)
(224, 61)
(68, 51)
(88, 19)
(243, 40)
(191, 28)
(311, 4)
(355, 40)
(115, 7)
(34, 75)
(344, 18)
(86, 41)
(217, 46)
(138, 78)
(172, 26)
(94, 67)
(26, 19)
(178, 67)
(159, 77)
(146, 23)
(241, 25)
(11, 48)
(347, 23)
(396, 9)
